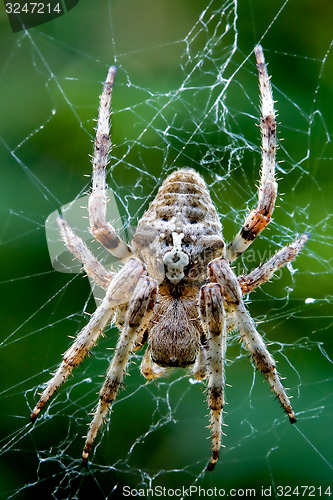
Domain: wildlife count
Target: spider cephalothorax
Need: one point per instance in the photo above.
(176, 291)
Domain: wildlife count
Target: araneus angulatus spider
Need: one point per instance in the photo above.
(176, 291)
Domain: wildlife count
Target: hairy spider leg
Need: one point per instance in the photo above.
(101, 229)
(79, 249)
(213, 317)
(200, 367)
(149, 369)
(259, 352)
(119, 291)
(139, 312)
(263, 273)
(221, 273)
(258, 219)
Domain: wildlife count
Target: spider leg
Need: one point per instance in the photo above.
(79, 249)
(103, 230)
(221, 273)
(138, 315)
(264, 361)
(118, 292)
(212, 315)
(149, 369)
(200, 367)
(263, 273)
(258, 219)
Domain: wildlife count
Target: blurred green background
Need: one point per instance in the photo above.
(186, 94)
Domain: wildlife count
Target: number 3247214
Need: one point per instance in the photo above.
(303, 491)
(32, 8)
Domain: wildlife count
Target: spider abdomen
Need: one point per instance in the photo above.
(182, 206)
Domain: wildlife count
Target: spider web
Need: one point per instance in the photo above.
(186, 94)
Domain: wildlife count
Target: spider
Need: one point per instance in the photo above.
(176, 291)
